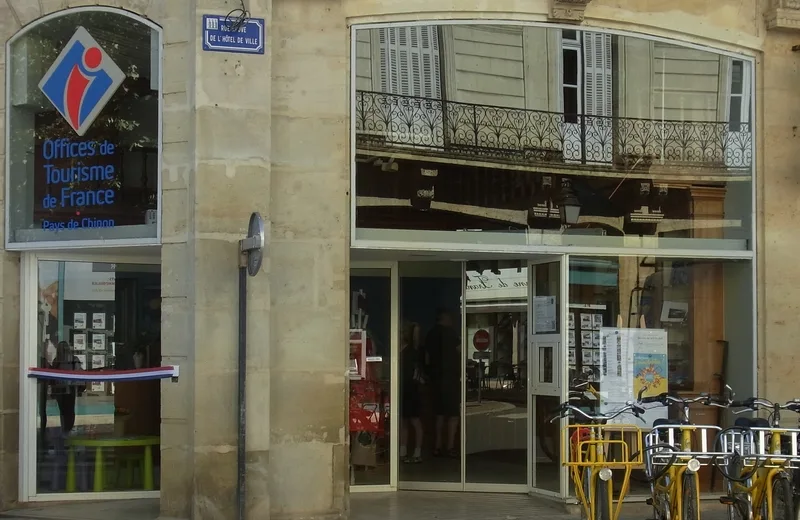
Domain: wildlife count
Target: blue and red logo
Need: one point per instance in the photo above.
(81, 81)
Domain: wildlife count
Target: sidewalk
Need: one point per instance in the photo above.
(403, 505)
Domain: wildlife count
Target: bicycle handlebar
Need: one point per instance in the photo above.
(629, 407)
(666, 399)
(754, 403)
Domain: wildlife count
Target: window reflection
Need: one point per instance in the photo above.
(468, 133)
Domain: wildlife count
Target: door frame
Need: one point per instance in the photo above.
(394, 372)
(29, 334)
(561, 370)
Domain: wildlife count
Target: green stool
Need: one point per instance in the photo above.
(98, 443)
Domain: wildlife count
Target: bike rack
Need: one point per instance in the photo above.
(753, 445)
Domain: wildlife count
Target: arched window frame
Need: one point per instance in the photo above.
(158, 31)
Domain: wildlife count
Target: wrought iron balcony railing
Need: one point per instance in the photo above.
(470, 131)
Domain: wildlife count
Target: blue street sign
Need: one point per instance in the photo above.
(219, 34)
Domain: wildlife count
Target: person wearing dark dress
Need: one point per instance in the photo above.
(411, 381)
(443, 359)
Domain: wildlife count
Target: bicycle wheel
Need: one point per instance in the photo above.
(602, 511)
(782, 499)
(690, 509)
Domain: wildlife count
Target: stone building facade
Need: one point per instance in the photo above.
(271, 133)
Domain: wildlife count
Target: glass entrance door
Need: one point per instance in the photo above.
(546, 283)
(496, 376)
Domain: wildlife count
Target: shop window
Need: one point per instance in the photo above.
(678, 325)
(83, 130)
(97, 436)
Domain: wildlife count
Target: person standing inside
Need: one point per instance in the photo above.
(443, 359)
(411, 381)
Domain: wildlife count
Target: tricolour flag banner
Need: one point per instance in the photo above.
(142, 374)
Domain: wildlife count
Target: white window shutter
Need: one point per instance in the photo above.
(597, 74)
(410, 61)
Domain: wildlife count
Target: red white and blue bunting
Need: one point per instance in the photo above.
(141, 374)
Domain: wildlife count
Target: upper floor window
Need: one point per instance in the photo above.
(739, 103)
(83, 130)
(409, 61)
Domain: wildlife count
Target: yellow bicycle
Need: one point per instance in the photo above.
(675, 450)
(586, 454)
(757, 461)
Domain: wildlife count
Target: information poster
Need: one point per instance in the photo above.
(545, 314)
(632, 360)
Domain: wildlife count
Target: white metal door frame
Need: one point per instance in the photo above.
(394, 371)
(560, 367)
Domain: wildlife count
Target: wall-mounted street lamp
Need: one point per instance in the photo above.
(570, 206)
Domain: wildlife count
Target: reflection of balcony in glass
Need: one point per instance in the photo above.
(469, 131)
(534, 96)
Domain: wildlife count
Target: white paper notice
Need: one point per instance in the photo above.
(99, 320)
(615, 371)
(79, 321)
(98, 362)
(545, 314)
(79, 341)
(98, 341)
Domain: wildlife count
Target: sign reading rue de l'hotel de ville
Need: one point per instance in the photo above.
(81, 148)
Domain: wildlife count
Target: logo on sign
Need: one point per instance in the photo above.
(81, 81)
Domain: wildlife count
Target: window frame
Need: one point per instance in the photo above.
(156, 30)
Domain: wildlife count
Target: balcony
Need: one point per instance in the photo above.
(481, 133)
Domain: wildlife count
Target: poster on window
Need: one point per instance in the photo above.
(79, 341)
(99, 320)
(586, 321)
(633, 360)
(98, 341)
(79, 321)
(89, 281)
(98, 362)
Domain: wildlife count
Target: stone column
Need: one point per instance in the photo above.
(309, 259)
(232, 136)
(778, 95)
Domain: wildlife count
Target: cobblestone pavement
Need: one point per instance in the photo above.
(403, 505)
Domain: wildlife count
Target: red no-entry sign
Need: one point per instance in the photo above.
(481, 340)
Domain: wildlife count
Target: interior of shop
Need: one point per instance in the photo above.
(98, 436)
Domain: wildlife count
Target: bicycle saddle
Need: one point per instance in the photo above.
(667, 422)
(749, 422)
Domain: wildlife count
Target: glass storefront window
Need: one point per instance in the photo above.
(83, 130)
(97, 436)
(370, 404)
(666, 324)
(533, 136)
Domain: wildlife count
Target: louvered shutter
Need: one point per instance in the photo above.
(597, 74)
(410, 61)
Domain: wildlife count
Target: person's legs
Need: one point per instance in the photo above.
(439, 434)
(452, 430)
(416, 423)
(403, 437)
(66, 408)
